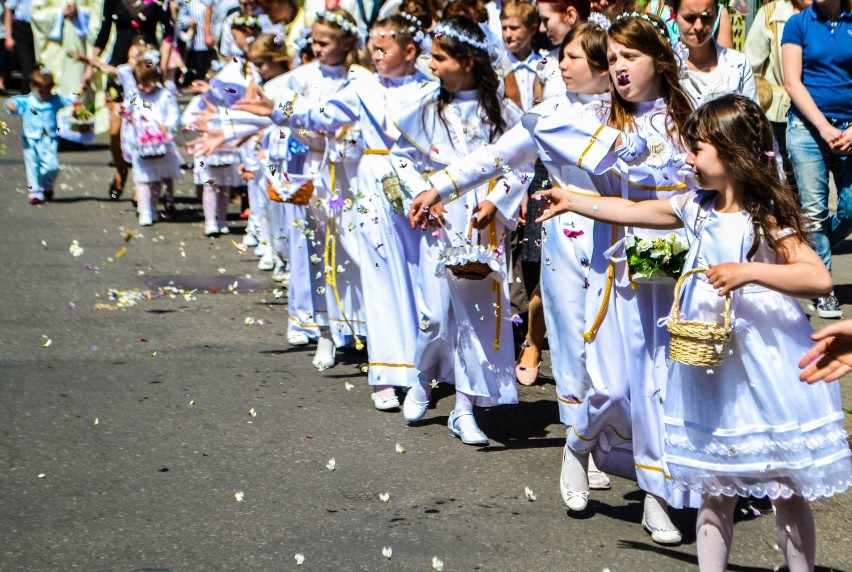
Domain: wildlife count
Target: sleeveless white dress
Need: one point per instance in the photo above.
(749, 427)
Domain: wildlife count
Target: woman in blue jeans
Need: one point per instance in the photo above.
(816, 53)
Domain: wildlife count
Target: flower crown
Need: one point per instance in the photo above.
(414, 21)
(248, 21)
(444, 29)
(681, 52)
(340, 22)
(600, 21)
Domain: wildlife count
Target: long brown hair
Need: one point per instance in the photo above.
(593, 40)
(742, 135)
(648, 35)
(487, 81)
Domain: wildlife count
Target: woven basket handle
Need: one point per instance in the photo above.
(675, 314)
(470, 232)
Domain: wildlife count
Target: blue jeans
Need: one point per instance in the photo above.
(812, 162)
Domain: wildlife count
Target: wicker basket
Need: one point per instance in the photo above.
(697, 343)
(302, 196)
(472, 270)
(82, 127)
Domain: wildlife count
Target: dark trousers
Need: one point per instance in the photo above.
(22, 33)
(198, 64)
(780, 131)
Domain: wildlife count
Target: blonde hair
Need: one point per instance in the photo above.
(523, 10)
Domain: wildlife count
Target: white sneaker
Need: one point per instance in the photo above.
(249, 240)
(223, 229)
(281, 273)
(145, 220)
(211, 229)
(298, 339)
(266, 262)
(260, 250)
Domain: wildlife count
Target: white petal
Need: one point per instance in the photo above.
(239, 496)
(384, 497)
(331, 464)
(387, 552)
(400, 449)
(437, 563)
(530, 494)
(300, 558)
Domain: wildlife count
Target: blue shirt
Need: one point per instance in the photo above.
(20, 9)
(826, 59)
(39, 117)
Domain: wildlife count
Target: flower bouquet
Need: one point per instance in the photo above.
(82, 119)
(657, 259)
(153, 143)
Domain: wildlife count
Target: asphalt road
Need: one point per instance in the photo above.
(170, 435)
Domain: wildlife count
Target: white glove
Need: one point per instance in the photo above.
(632, 147)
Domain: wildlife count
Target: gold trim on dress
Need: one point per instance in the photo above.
(589, 146)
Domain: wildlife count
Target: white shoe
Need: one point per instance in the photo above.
(146, 220)
(298, 339)
(469, 435)
(666, 536)
(281, 273)
(211, 229)
(384, 403)
(249, 240)
(266, 262)
(223, 229)
(260, 250)
(575, 500)
(413, 410)
(325, 354)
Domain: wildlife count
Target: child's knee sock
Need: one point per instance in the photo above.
(209, 203)
(144, 194)
(464, 402)
(714, 532)
(794, 528)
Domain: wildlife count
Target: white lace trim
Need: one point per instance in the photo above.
(747, 487)
(757, 445)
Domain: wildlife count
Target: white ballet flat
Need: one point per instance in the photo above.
(413, 410)
(384, 403)
(598, 480)
(325, 362)
(298, 339)
(666, 536)
(576, 501)
(470, 436)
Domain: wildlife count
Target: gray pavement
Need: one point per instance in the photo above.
(126, 433)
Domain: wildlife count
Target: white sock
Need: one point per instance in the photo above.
(384, 391)
(575, 470)
(209, 203)
(464, 402)
(794, 528)
(714, 532)
(420, 392)
(657, 513)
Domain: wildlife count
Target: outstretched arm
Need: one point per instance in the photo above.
(657, 214)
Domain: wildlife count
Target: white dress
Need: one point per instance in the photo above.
(387, 248)
(620, 419)
(749, 427)
(732, 74)
(566, 241)
(464, 334)
(143, 116)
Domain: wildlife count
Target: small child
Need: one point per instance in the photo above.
(38, 111)
(153, 117)
(519, 21)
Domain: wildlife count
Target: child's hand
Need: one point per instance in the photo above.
(728, 276)
(436, 216)
(831, 357)
(560, 202)
(484, 213)
(418, 213)
(246, 175)
(11, 107)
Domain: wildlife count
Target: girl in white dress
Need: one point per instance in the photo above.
(566, 242)
(747, 427)
(620, 418)
(464, 333)
(386, 247)
(153, 117)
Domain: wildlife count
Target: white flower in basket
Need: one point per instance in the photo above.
(655, 260)
(471, 261)
(222, 157)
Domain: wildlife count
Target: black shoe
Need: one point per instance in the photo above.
(114, 192)
(829, 307)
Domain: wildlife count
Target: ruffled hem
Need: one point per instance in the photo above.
(731, 486)
(755, 445)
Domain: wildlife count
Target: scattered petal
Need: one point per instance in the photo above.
(437, 563)
(239, 496)
(530, 494)
(41, 475)
(400, 449)
(96, 422)
(387, 552)
(252, 412)
(300, 558)
(384, 497)
(75, 249)
(331, 464)
(348, 386)
(47, 343)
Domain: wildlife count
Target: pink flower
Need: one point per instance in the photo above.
(572, 233)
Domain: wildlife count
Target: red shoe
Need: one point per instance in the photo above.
(36, 201)
(245, 214)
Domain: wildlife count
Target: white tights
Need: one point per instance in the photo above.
(794, 529)
(146, 197)
(214, 200)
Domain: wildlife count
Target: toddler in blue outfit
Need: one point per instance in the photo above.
(38, 111)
